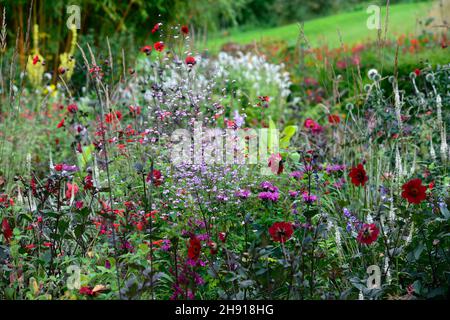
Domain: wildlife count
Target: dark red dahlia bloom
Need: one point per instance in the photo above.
(156, 176)
(414, 191)
(281, 231)
(222, 236)
(358, 175)
(334, 119)
(368, 233)
(190, 61)
(146, 49)
(72, 108)
(213, 248)
(86, 291)
(159, 46)
(6, 229)
(194, 248)
(185, 30)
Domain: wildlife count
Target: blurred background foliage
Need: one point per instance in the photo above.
(133, 19)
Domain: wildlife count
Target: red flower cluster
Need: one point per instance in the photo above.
(334, 119)
(281, 231)
(368, 233)
(35, 59)
(6, 230)
(222, 236)
(194, 248)
(72, 108)
(88, 183)
(157, 177)
(159, 46)
(358, 175)
(146, 49)
(414, 191)
(313, 126)
(72, 188)
(60, 124)
(264, 101)
(156, 27)
(185, 30)
(190, 61)
(112, 116)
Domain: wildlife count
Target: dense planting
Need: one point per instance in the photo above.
(142, 181)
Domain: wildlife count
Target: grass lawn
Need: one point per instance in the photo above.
(351, 26)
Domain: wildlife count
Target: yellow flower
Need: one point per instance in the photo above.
(35, 64)
(67, 61)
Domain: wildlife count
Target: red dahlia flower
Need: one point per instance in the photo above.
(159, 46)
(194, 248)
(368, 233)
(414, 191)
(86, 291)
(190, 61)
(72, 108)
(185, 30)
(358, 175)
(222, 236)
(334, 119)
(146, 49)
(281, 231)
(157, 178)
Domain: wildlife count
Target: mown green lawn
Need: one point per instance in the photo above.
(350, 27)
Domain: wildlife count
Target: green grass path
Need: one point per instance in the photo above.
(351, 26)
